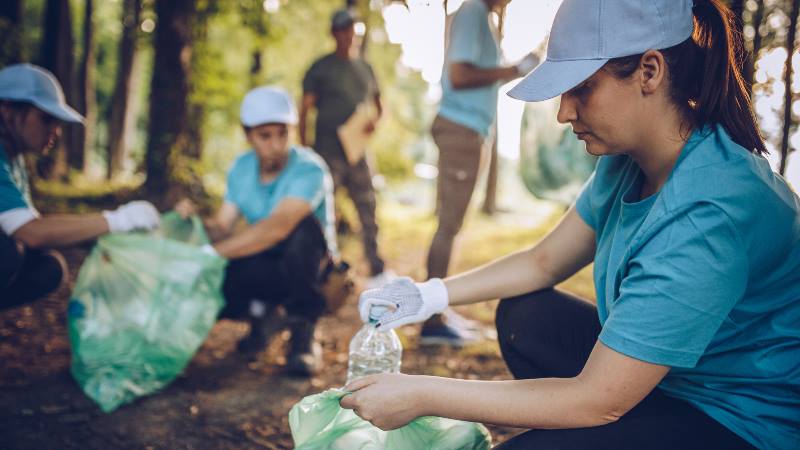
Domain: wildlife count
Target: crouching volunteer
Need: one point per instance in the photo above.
(279, 260)
(32, 110)
(695, 336)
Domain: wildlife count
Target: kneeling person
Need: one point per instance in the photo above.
(285, 193)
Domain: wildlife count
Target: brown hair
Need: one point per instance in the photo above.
(705, 75)
(8, 138)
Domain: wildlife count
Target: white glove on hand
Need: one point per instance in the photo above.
(407, 302)
(138, 214)
(209, 249)
(528, 63)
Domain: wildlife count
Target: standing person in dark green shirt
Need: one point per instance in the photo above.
(335, 85)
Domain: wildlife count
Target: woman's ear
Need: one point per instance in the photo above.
(653, 71)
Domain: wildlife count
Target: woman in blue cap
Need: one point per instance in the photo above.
(32, 109)
(695, 339)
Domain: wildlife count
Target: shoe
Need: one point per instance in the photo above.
(459, 321)
(305, 354)
(380, 279)
(263, 326)
(446, 334)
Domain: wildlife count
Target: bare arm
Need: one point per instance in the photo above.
(221, 225)
(61, 229)
(466, 75)
(267, 232)
(565, 250)
(607, 388)
(308, 102)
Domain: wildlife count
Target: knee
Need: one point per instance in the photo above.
(12, 254)
(523, 311)
(307, 235)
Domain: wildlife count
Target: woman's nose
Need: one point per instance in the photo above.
(566, 110)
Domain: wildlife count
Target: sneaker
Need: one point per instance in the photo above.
(380, 279)
(305, 354)
(459, 321)
(446, 334)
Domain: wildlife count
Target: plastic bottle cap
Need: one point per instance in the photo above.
(376, 312)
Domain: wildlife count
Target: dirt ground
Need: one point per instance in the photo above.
(221, 401)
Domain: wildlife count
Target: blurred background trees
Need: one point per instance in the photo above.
(160, 82)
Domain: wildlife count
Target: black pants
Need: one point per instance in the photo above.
(27, 274)
(550, 334)
(287, 273)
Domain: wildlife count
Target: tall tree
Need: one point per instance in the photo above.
(757, 18)
(10, 32)
(121, 114)
(85, 100)
(787, 80)
(167, 129)
(57, 56)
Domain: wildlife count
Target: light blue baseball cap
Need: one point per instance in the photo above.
(37, 86)
(588, 33)
(267, 104)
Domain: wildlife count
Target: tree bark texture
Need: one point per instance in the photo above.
(168, 126)
(787, 80)
(11, 32)
(121, 114)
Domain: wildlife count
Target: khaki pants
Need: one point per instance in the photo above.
(461, 152)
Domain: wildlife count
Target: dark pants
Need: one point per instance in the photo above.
(358, 182)
(27, 274)
(550, 334)
(287, 273)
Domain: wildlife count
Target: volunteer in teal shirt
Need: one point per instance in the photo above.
(279, 260)
(694, 341)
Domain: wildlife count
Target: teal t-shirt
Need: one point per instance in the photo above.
(16, 207)
(304, 177)
(704, 277)
(471, 40)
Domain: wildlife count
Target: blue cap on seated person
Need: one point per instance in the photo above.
(35, 85)
(588, 33)
(267, 104)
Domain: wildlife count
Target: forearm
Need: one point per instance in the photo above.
(466, 76)
(535, 403)
(216, 232)
(254, 239)
(61, 230)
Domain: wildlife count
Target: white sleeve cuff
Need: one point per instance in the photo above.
(13, 219)
(435, 294)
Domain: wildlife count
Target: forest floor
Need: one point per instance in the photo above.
(224, 400)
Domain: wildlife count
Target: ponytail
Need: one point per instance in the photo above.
(705, 75)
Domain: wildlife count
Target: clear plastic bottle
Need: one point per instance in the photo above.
(373, 351)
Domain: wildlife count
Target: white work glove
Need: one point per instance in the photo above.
(407, 302)
(209, 250)
(528, 63)
(135, 215)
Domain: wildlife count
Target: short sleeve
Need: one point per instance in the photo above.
(584, 203)
(311, 79)
(308, 184)
(464, 40)
(678, 289)
(14, 209)
(231, 183)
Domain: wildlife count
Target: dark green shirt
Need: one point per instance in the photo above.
(339, 85)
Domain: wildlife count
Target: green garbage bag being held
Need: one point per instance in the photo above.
(142, 306)
(554, 164)
(319, 423)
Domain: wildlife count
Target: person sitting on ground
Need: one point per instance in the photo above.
(285, 193)
(32, 110)
(694, 342)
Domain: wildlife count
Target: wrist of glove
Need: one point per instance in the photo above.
(131, 216)
(209, 250)
(405, 302)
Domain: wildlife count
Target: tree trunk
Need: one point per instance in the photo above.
(56, 56)
(787, 80)
(121, 113)
(11, 32)
(169, 92)
(86, 102)
(749, 70)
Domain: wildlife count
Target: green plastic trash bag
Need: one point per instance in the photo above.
(142, 305)
(554, 164)
(319, 423)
